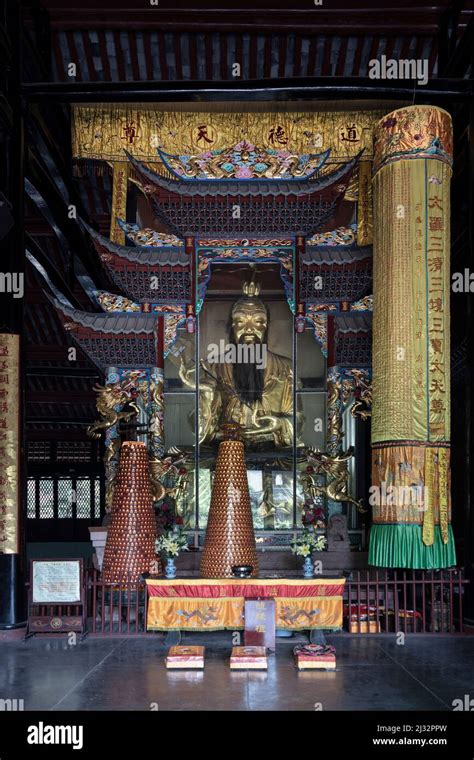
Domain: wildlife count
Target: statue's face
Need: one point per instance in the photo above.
(249, 323)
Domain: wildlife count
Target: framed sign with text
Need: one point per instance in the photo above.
(56, 597)
(56, 581)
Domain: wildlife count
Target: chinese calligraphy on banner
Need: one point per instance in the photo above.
(411, 291)
(9, 443)
(119, 201)
(103, 131)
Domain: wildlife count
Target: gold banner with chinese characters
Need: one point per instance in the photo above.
(9, 443)
(119, 201)
(411, 372)
(411, 352)
(104, 131)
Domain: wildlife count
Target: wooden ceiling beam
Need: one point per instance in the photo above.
(462, 56)
(56, 277)
(275, 90)
(39, 227)
(61, 435)
(59, 396)
(49, 419)
(400, 18)
(82, 372)
(46, 352)
(52, 205)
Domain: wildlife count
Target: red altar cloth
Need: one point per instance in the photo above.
(216, 604)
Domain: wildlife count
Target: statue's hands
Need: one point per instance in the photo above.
(261, 425)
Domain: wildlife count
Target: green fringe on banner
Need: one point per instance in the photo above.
(402, 546)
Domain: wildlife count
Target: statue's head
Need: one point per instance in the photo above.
(249, 321)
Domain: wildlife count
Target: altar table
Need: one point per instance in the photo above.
(202, 604)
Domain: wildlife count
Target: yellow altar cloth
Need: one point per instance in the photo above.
(202, 604)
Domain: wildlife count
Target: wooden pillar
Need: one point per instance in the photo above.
(12, 549)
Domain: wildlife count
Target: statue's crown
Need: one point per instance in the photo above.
(251, 288)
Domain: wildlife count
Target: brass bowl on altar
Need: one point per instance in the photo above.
(242, 571)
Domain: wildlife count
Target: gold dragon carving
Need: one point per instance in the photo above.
(362, 406)
(109, 400)
(169, 467)
(109, 397)
(335, 468)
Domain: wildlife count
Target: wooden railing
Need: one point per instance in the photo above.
(405, 601)
(375, 601)
(115, 608)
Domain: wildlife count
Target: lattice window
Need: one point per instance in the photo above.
(122, 351)
(353, 350)
(339, 284)
(39, 451)
(96, 485)
(173, 285)
(217, 217)
(62, 451)
(84, 504)
(74, 451)
(46, 498)
(31, 498)
(66, 498)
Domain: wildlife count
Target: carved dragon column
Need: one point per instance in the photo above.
(156, 408)
(411, 356)
(334, 409)
(112, 444)
(116, 405)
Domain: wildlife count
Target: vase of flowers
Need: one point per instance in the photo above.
(304, 545)
(171, 543)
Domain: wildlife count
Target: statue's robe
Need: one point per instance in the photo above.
(268, 421)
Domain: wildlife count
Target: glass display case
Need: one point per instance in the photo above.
(245, 363)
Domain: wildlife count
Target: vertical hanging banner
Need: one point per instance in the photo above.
(410, 491)
(9, 443)
(119, 201)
